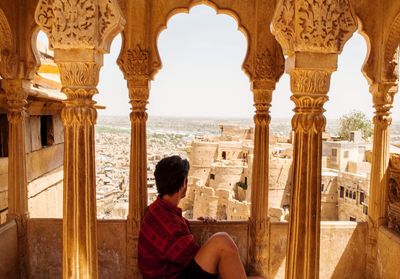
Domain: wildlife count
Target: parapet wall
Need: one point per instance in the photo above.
(342, 254)
(9, 250)
(342, 250)
(388, 253)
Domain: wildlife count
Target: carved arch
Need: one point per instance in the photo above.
(8, 59)
(367, 66)
(156, 64)
(391, 46)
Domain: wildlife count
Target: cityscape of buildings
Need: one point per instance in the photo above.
(221, 169)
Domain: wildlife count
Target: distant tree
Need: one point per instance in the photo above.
(355, 121)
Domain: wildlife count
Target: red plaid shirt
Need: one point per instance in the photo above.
(166, 245)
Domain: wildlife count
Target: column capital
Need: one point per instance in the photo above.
(310, 88)
(16, 91)
(382, 97)
(79, 81)
(139, 91)
(262, 102)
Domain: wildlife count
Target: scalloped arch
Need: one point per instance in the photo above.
(6, 37)
(367, 66)
(157, 63)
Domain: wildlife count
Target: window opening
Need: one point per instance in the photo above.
(46, 130)
(362, 197)
(341, 194)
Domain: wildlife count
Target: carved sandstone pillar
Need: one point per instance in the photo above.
(16, 93)
(134, 64)
(312, 48)
(16, 99)
(382, 95)
(80, 32)
(138, 95)
(309, 87)
(259, 220)
(79, 219)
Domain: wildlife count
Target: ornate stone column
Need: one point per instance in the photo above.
(312, 51)
(310, 88)
(79, 81)
(382, 96)
(134, 63)
(17, 94)
(259, 220)
(80, 32)
(138, 95)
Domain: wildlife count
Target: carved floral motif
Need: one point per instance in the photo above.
(265, 65)
(310, 81)
(79, 23)
(310, 89)
(283, 24)
(262, 102)
(314, 25)
(78, 115)
(76, 74)
(16, 99)
(135, 62)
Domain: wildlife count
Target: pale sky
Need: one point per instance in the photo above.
(202, 54)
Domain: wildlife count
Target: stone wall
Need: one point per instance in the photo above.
(350, 205)
(45, 195)
(201, 156)
(279, 181)
(225, 176)
(44, 248)
(44, 160)
(342, 251)
(329, 197)
(45, 183)
(388, 253)
(9, 250)
(218, 204)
